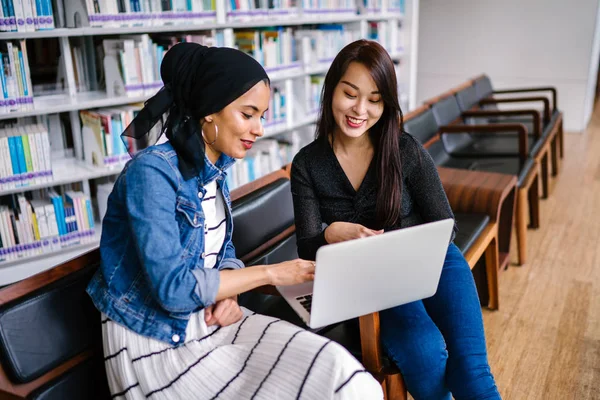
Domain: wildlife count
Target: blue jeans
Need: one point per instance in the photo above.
(439, 343)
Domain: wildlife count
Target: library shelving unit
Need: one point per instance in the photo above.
(392, 23)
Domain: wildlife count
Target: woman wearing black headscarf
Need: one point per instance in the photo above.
(169, 278)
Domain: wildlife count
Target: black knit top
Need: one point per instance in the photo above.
(323, 194)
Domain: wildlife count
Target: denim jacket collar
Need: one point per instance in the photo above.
(209, 171)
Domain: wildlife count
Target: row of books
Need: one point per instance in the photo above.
(44, 224)
(277, 112)
(15, 78)
(246, 10)
(328, 7)
(388, 35)
(273, 48)
(132, 63)
(26, 15)
(321, 44)
(101, 135)
(122, 13)
(24, 156)
(376, 6)
(266, 156)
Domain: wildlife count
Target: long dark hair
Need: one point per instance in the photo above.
(385, 134)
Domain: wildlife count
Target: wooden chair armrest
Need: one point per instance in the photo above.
(370, 343)
(476, 191)
(21, 288)
(492, 128)
(537, 127)
(532, 89)
(493, 100)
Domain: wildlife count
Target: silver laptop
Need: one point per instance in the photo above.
(366, 275)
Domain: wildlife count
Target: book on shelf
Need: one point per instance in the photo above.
(101, 135)
(132, 63)
(273, 48)
(252, 10)
(26, 15)
(24, 156)
(266, 156)
(321, 44)
(327, 8)
(15, 77)
(44, 223)
(313, 86)
(125, 13)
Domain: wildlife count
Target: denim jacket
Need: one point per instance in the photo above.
(151, 276)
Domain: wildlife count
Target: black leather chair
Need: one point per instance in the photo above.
(50, 336)
(424, 125)
(264, 234)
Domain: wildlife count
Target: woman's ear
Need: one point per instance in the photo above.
(209, 118)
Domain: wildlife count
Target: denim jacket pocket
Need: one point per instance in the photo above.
(190, 221)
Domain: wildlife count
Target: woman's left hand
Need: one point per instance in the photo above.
(223, 313)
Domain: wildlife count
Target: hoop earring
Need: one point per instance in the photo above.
(216, 136)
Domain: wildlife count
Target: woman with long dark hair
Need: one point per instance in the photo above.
(362, 176)
(169, 277)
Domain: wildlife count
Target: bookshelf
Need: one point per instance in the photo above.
(296, 80)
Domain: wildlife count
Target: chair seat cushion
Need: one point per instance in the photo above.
(87, 380)
(503, 165)
(470, 226)
(500, 145)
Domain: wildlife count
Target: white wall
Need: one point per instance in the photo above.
(515, 42)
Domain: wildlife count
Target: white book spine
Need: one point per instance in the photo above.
(19, 15)
(28, 15)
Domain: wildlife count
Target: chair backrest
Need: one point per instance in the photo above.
(467, 98)
(483, 87)
(263, 220)
(50, 335)
(446, 110)
(421, 124)
(264, 230)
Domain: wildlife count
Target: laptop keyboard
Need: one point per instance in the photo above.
(306, 301)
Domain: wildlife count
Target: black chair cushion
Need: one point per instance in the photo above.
(262, 215)
(86, 381)
(423, 126)
(489, 145)
(467, 98)
(504, 165)
(470, 227)
(40, 331)
(446, 110)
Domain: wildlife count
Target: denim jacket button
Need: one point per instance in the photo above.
(175, 338)
(199, 195)
(203, 255)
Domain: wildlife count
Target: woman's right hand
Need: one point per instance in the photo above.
(343, 231)
(291, 272)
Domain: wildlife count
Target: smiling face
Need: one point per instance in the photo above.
(357, 104)
(239, 124)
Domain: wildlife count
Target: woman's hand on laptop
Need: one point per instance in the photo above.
(291, 272)
(343, 231)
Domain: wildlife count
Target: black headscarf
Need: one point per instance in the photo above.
(198, 81)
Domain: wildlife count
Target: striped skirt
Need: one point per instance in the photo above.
(257, 358)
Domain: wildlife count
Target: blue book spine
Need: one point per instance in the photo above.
(88, 205)
(23, 79)
(21, 155)
(57, 214)
(12, 147)
(251, 173)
